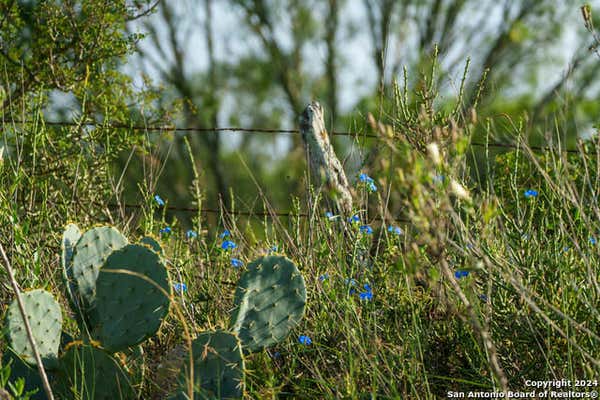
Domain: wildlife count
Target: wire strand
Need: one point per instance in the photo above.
(258, 130)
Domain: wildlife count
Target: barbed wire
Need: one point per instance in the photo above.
(242, 130)
(271, 214)
(258, 130)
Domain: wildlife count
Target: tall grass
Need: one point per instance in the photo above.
(487, 283)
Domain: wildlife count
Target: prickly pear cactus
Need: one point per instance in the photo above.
(218, 367)
(153, 243)
(269, 300)
(90, 253)
(87, 372)
(71, 236)
(29, 373)
(45, 320)
(129, 308)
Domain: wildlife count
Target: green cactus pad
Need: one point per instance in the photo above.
(30, 374)
(128, 308)
(87, 372)
(91, 252)
(153, 243)
(71, 236)
(45, 320)
(218, 367)
(269, 301)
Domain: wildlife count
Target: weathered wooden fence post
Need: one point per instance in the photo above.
(326, 170)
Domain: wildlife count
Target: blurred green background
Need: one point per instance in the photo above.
(257, 63)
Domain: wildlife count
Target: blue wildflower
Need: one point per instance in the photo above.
(228, 245)
(305, 340)
(531, 193)
(350, 282)
(366, 229)
(166, 230)
(365, 178)
(236, 263)
(273, 249)
(369, 181)
(159, 201)
(461, 274)
(191, 234)
(180, 287)
(276, 354)
(438, 178)
(354, 218)
(225, 234)
(483, 298)
(367, 294)
(592, 240)
(324, 277)
(566, 248)
(395, 229)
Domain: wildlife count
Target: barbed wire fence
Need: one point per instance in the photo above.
(245, 130)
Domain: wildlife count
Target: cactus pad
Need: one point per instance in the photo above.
(29, 373)
(90, 373)
(218, 367)
(129, 308)
(153, 243)
(91, 251)
(269, 301)
(45, 320)
(71, 236)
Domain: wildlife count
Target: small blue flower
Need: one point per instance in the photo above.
(365, 178)
(305, 340)
(351, 291)
(369, 181)
(191, 234)
(592, 240)
(228, 245)
(354, 218)
(350, 282)
(276, 354)
(329, 215)
(395, 229)
(438, 178)
(469, 246)
(159, 201)
(366, 296)
(236, 263)
(461, 274)
(180, 287)
(225, 234)
(531, 193)
(366, 229)
(324, 277)
(273, 249)
(566, 248)
(166, 230)
(483, 298)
